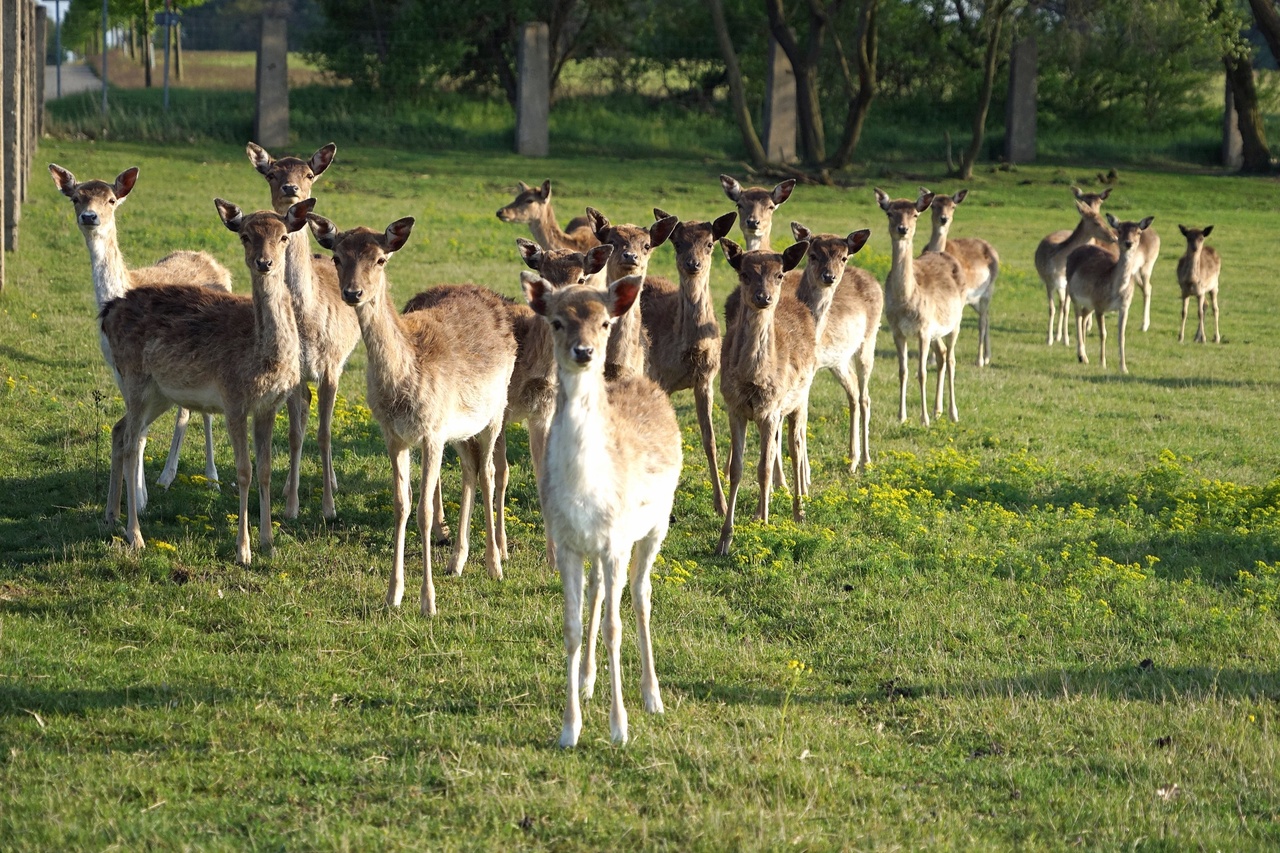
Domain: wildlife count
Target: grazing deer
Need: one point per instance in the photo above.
(532, 205)
(632, 248)
(684, 334)
(1099, 281)
(846, 303)
(95, 205)
(327, 329)
(924, 300)
(436, 375)
(978, 261)
(210, 351)
(755, 209)
(1053, 251)
(531, 396)
(1198, 271)
(612, 466)
(767, 363)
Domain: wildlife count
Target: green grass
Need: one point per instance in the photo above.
(1050, 625)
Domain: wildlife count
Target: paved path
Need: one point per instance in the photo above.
(75, 79)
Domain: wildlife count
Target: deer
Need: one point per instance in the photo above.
(755, 209)
(612, 464)
(1099, 281)
(531, 395)
(633, 245)
(327, 329)
(1198, 271)
(684, 334)
(532, 205)
(436, 375)
(212, 351)
(846, 303)
(979, 263)
(1053, 251)
(924, 300)
(767, 362)
(95, 205)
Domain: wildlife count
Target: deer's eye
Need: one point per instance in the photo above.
(244, 238)
(582, 279)
(382, 261)
(557, 325)
(111, 201)
(605, 324)
(284, 239)
(646, 247)
(337, 263)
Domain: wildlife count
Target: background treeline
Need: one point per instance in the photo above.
(1134, 71)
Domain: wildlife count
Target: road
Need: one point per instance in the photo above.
(75, 79)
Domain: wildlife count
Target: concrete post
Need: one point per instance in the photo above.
(533, 91)
(271, 121)
(1020, 109)
(779, 118)
(28, 93)
(12, 83)
(42, 38)
(1232, 142)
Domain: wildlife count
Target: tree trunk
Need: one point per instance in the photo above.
(737, 97)
(1256, 154)
(146, 42)
(813, 142)
(984, 98)
(859, 101)
(1267, 17)
(177, 51)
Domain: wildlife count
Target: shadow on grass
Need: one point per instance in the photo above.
(1172, 382)
(22, 700)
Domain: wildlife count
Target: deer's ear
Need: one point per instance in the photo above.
(661, 230)
(258, 156)
(599, 223)
(623, 293)
(322, 158)
(1103, 195)
(125, 181)
(1208, 229)
(597, 259)
(782, 191)
(732, 253)
(882, 199)
(536, 290)
(1077, 192)
(799, 232)
(1183, 229)
(723, 225)
(960, 196)
(857, 240)
(522, 187)
(1146, 223)
(231, 216)
(296, 217)
(530, 251)
(326, 232)
(731, 188)
(924, 202)
(659, 213)
(546, 190)
(397, 234)
(1112, 221)
(63, 180)
(792, 255)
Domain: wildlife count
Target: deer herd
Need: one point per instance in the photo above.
(586, 361)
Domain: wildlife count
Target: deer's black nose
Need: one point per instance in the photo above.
(263, 264)
(582, 354)
(289, 189)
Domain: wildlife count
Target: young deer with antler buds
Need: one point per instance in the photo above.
(96, 203)
(684, 334)
(924, 298)
(1198, 271)
(532, 205)
(1099, 281)
(1053, 251)
(213, 352)
(755, 209)
(327, 329)
(632, 247)
(978, 261)
(436, 375)
(846, 303)
(612, 465)
(767, 363)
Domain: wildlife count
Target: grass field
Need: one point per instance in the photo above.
(1051, 625)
